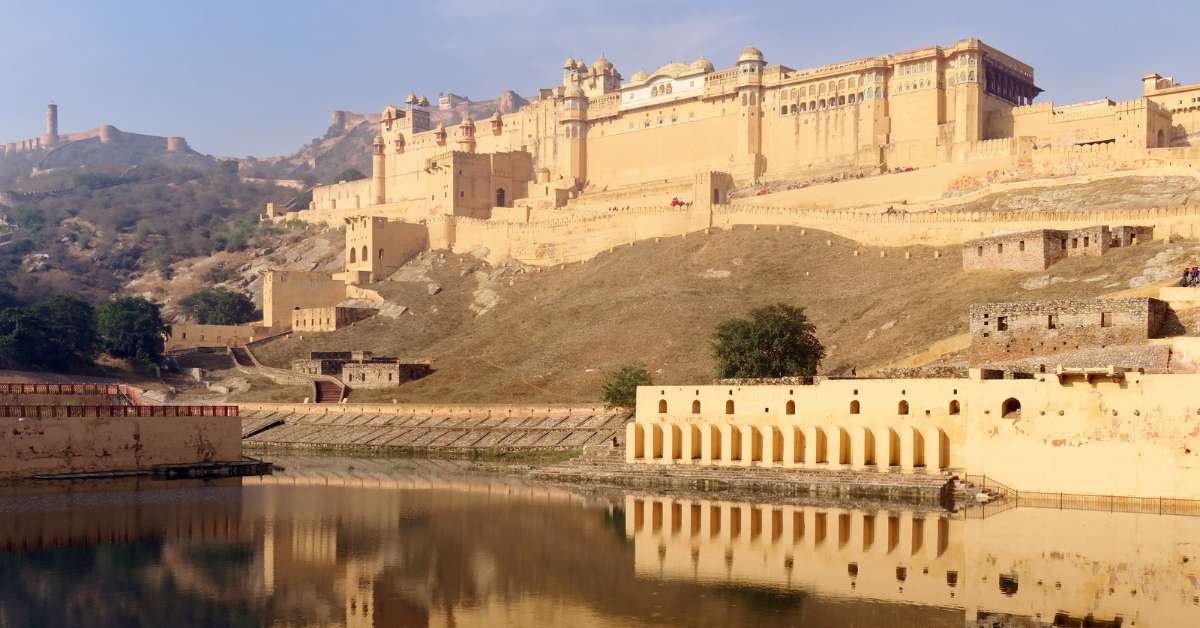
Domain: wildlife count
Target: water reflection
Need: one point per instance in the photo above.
(359, 543)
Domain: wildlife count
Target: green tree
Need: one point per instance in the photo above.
(217, 306)
(620, 386)
(228, 167)
(350, 174)
(70, 325)
(22, 336)
(775, 341)
(132, 328)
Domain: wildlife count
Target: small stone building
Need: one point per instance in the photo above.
(1006, 331)
(1036, 250)
(327, 362)
(328, 318)
(383, 372)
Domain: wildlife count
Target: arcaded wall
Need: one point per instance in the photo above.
(33, 446)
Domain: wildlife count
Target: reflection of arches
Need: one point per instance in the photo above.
(696, 406)
(500, 197)
(954, 408)
(790, 408)
(854, 407)
(729, 406)
(1010, 409)
(662, 406)
(902, 407)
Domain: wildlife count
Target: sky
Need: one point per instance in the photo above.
(260, 77)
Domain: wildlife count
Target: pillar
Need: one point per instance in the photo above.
(933, 449)
(812, 436)
(633, 441)
(669, 442)
(907, 454)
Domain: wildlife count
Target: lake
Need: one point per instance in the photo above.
(372, 542)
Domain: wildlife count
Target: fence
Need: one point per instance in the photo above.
(1011, 498)
(100, 411)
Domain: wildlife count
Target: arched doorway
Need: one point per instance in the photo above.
(500, 197)
(1162, 139)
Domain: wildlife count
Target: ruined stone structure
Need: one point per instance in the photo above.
(1005, 331)
(381, 372)
(1098, 431)
(328, 318)
(105, 134)
(1038, 249)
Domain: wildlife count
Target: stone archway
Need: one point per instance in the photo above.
(501, 197)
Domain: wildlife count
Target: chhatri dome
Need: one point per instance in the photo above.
(702, 64)
(569, 64)
(750, 54)
(601, 65)
(640, 77)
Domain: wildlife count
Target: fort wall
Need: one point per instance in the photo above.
(1006, 331)
(284, 291)
(33, 445)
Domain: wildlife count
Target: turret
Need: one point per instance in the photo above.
(51, 136)
(466, 135)
(750, 66)
(573, 118)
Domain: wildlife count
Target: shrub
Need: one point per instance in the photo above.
(132, 328)
(620, 386)
(217, 306)
(775, 341)
(350, 174)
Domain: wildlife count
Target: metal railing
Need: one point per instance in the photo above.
(1011, 498)
(104, 411)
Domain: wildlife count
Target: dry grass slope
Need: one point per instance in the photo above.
(554, 332)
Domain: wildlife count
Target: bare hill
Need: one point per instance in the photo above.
(549, 335)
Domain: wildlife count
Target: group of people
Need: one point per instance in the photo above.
(1191, 277)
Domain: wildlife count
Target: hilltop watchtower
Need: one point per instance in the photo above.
(51, 136)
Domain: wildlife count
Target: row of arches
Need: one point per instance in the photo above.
(737, 523)
(902, 407)
(908, 447)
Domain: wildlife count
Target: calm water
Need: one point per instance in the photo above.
(338, 542)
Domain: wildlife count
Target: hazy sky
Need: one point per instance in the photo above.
(260, 77)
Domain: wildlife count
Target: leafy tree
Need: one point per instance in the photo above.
(70, 324)
(132, 328)
(350, 174)
(775, 341)
(620, 386)
(22, 336)
(218, 306)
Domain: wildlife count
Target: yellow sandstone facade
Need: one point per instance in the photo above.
(1102, 431)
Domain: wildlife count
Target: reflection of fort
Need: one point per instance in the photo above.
(1055, 567)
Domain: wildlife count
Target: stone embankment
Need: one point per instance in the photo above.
(395, 429)
(605, 465)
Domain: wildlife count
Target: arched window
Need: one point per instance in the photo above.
(902, 408)
(795, 108)
(854, 407)
(729, 406)
(954, 409)
(365, 256)
(1162, 140)
(841, 100)
(696, 406)
(353, 255)
(1010, 409)
(791, 407)
(662, 406)
(500, 197)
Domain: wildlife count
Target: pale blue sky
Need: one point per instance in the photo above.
(261, 76)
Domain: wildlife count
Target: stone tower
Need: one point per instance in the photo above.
(750, 66)
(574, 126)
(378, 174)
(51, 136)
(967, 71)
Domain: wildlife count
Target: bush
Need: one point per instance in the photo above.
(132, 328)
(775, 341)
(350, 174)
(58, 333)
(217, 306)
(620, 386)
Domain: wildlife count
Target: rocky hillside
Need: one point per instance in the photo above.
(512, 333)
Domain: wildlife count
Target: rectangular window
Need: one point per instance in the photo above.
(999, 248)
(1052, 321)
(1085, 242)
(1001, 323)
(1106, 319)
(1074, 243)
(979, 252)
(1021, 245)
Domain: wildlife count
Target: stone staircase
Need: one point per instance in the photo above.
(328, 392)
(242, 356)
